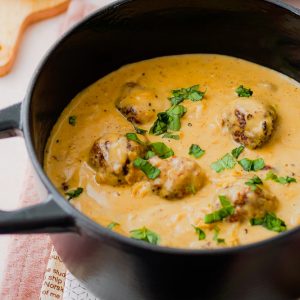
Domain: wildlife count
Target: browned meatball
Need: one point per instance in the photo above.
(250, 122)
(112, 156)
(248, 203)
(136, 103)
(179, 177)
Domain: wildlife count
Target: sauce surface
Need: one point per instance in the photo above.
(68, 148)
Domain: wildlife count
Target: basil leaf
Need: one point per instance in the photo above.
(252, 165)
(160, 126)
(161, 150)
(150, 171)
(191, 93)
(112, 225)
(244, 92)
(282, 180)
(74, 193)
(134, 137)
(169, 119)
(226, 211)
(254, 182)
(146, 235)
(72, 120)
(216, 236)
(270, 222)
(236, 152)
(196, 151)
(175, 113)
(226, 162)
(170, 136)
(149, 154)
(258, 164)
(200, 232)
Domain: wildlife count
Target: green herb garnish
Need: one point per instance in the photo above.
(145, 235)
(169, 119)
(226, 162)
(72, 120)
(112, 225)
(218, 215)
(200, 232)
(149, 154)
(244, 92)
(160, 126)
(134, 137)
(74, 193)
(169, 135)
(282, 180)
(254, 182)
(175, 113)
(161, 150)
(236, 152)
(270, 221)
(191, 93)
(196, 151)
(216, 236)
(252, 165)
(150, 171)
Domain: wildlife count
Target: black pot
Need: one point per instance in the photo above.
(114, 267)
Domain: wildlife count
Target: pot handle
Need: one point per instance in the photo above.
(45, 217)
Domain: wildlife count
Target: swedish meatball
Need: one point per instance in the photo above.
(250, 122)
(136, 103)
(178, 178)
(248, 203)
(112, 156)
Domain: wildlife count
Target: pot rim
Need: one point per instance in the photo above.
(76, 214)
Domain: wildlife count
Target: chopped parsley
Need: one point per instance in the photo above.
(112, 225)
(252, 165)
(226, 162)
(72, 120)
(201, 234)
(254, 182)
(244, 92)
(282, 180)
(270, 221)
(134, 137)
(196, 151)
(192, 93)
(216, 236)
(149, 154)
(169, 135)
(175, 113)
(74, 193)
(150, 171)
(161, 150)
(236, 152)
(170, 119)
(146, 235)
(224, 212)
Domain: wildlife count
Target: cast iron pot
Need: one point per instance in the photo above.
(114, 267)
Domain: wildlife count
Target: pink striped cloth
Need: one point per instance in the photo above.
(29, 254)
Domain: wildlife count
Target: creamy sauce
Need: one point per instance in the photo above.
(66, 158)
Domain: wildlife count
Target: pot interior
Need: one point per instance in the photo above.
(130, 31)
